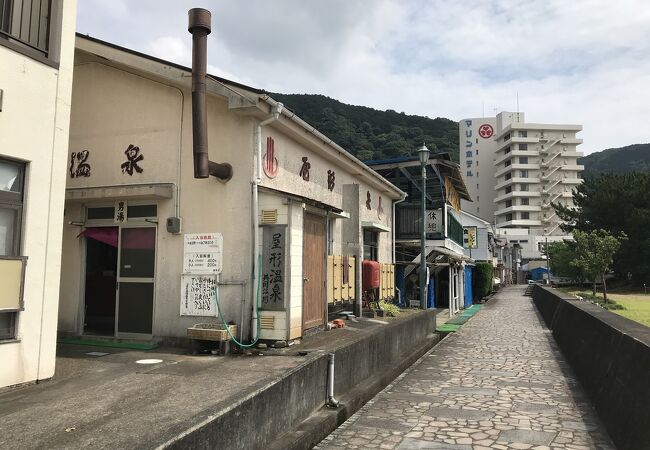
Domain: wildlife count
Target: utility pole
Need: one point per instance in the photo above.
(423, 153)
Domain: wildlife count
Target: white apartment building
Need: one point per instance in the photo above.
(533, 165)
(36, 62)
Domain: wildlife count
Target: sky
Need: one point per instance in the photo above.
(567, 61)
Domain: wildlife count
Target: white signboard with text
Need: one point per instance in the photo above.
(203, 253)
(199, 295)
(434, 221)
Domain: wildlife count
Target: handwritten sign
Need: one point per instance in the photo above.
(273, 268)
(198, 295)
(434, 221)
(203, 253)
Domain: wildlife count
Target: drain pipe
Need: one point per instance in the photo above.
(200, 26)
(404, 194)
(257, 179)
(331, 401)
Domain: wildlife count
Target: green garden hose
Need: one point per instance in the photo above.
(257, 307)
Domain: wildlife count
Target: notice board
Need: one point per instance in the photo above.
(199, 295)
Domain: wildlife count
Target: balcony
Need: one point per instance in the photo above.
(517, 181)
(515, 208)
(520, 223)
(516, 166)
(516, 194)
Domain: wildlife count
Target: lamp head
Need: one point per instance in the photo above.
(423, 153)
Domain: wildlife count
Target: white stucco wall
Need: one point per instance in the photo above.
(34, 129)
(117, 106)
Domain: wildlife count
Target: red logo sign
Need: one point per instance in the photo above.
(270, 162)
(485, 131)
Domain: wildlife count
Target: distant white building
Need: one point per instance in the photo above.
(533, 166)
(36, 60)
(477, 150)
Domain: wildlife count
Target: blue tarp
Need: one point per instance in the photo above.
(538, 273)
(469, 292)
(400, 282)
(431, 293)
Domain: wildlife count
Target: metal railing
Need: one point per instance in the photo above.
(26, 22)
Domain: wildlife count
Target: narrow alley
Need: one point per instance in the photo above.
(498, 383)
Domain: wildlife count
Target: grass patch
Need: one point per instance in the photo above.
(389, 308)
(600, 300)
(633, 305)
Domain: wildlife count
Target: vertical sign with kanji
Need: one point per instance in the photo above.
(272, 294)
(120, 212)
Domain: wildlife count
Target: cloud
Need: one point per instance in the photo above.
(579, 62)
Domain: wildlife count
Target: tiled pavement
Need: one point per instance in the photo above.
(498, 383)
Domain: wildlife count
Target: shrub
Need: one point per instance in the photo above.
(484, 278)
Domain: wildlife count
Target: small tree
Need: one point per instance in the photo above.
(594, 254)
(562, 255)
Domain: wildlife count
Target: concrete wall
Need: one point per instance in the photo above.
(362, 368)
(34, 129)
(610, 354)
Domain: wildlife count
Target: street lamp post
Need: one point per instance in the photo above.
(423, 153)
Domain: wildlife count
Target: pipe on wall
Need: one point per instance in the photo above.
(257, 179)
(200, 26)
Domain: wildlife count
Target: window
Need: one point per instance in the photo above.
(523, 187)
(477, 186)
(507, 150)
(525, 201)
(25, 26)
(508, 217)
(477, 151)
(523, 173)
(523, 133)
(370, 248)
(525, 215)
(507, 163)
(508, 190)
(508, 176)
(508, 203)
(506, 137)
(11, 211)
(523, 160)
(523, 146)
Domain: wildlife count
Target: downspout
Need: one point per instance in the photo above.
(404, 194)
(331, 401)
(199, 26)
(257, 179)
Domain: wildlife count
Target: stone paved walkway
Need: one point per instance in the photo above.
(498, 383)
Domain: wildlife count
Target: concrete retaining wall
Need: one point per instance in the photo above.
(610, 354)
(272, 410)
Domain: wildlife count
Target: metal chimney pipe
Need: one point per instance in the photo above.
(199, 26)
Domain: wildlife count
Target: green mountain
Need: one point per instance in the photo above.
(369, 133)
(618, 160)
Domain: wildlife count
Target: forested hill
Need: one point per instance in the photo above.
(618, 160)
(369, 133)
